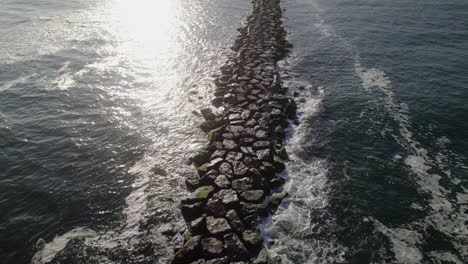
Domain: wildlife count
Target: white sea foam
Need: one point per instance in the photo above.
(445, 217)
(10, 84)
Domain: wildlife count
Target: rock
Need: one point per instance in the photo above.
(261, 144)
(230, 144)
(198, 226)
(212, 247)
(192, 181)
(214, 164)
(228, 197)
(222, 182)
(261, 134)
(279, 163)
(217, 154)
(235, 221)
(264, 154)
(255, 196)
(204, 192)
(200, 261)
(243, 184)
(276, 182)
(217, 226)
(252, 221)
(275, 201)
(189, 252)
(209, 177)
(191, 211)
(208, 114)
(203, 156)
(225, 168)
(203, 169)
(218, 261)
(262, 257)
(250, 208)
(234, 247)
(252, 239)
(215, 207)
(240, 169)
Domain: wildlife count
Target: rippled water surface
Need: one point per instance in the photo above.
(97, 123)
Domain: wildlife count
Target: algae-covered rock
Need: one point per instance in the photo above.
(203, 169)
(252, 239)
(193, 181)
(279, 163)
(204, 192)
(189, 252)
(262, 257)
(191, 211)
(212, 247)
(275, 201)
(254, 196)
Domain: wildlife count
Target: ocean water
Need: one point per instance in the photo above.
(97, 123)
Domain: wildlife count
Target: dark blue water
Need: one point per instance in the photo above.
(96, 123)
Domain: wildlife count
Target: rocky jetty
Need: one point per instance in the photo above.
(236, 183)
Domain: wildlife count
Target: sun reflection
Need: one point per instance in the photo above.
(145, 26)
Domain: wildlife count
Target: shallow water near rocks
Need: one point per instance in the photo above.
(96, 124)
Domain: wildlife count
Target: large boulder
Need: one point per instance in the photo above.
(212, 247)
(189, 252)
(217, 226)
(235, 248)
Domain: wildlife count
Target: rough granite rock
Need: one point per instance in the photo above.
(217, 226)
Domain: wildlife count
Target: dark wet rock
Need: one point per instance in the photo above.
(261, 145)
(262, 257)
(252, 221)
(217, 226)
(189, 252)
(243, 184)
(208, 114)
(275, 201)
(254, 196)
(198, 226)
(209, 177)
(212, 247)
(251, 208)
(228, 197)
(234, 247)
(279, 163)
(252, 239)
(192, 181)
(215, 207)
(218, 261)
(191, 211)
(199, 261)
(276, 182)
(222, 182)
(203, 156)
(234, 220)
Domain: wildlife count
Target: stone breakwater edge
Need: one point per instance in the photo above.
(237, 181)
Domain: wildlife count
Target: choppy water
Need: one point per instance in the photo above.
(96, 123)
